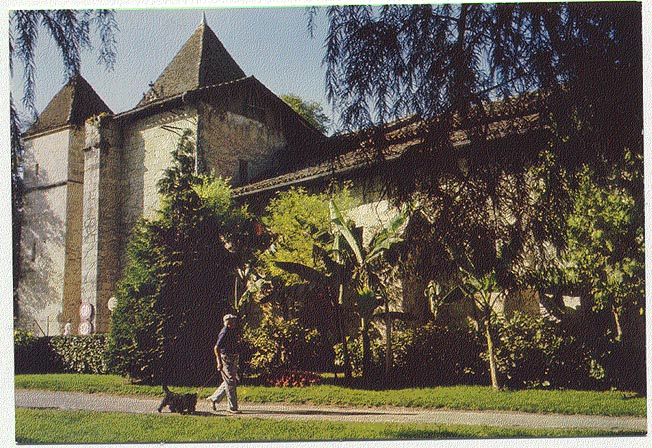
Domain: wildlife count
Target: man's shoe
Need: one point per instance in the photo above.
(233, 411)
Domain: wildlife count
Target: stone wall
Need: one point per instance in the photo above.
(102, 240)
(73, 230)
(227, 138)
(147, 146)
(43, 238)
(122, 167)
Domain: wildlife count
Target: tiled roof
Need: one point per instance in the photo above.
(401, 135)
(202, 61)
(73, 104)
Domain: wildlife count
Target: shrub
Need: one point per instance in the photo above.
(526, 350)
(444, 356)
(81, 354)
(33, 354)
(136, 342)
(282, 344)
(23, 339)
(290, 378)
(538, 352)
(354, 347)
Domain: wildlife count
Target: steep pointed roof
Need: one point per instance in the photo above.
(201, 62)
(73, 104)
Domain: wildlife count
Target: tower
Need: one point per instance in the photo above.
(242, 131)
(49, 290)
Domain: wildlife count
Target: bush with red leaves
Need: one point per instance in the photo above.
(291, 378)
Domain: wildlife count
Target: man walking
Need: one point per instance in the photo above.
(227, 357)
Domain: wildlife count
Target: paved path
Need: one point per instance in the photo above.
(114, 403)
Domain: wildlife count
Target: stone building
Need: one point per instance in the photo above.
(91, 174)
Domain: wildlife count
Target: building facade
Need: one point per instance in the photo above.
(91, 174)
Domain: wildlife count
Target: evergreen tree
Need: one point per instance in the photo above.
(536, 94)
(177, 284)
(538, 91)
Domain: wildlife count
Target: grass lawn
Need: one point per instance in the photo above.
(52, 426)
(455, 397)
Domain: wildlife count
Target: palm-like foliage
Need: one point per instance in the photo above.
(350, 273)
(485, 292)
(367, 283)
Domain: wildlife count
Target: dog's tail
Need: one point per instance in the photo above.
(165, 389)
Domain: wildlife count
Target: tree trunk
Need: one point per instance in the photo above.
(493, 372)
(366, 356)
(235, 295)
(345, 348)
(388, 343)
(619, 330)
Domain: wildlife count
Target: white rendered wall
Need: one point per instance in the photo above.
(43, 239)
(147, 147)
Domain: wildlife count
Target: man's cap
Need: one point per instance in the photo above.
(229, 317)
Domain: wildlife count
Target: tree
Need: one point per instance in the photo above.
(175, 286)
(312, 111)
(466, 67)
(350, 268)
(604, 262)
(70, 31)
(485, 292)
(452, 62)
(605, 254)
(301, 224)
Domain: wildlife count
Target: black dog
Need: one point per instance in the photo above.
(181, 403)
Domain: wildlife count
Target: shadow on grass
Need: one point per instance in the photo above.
(320, 412)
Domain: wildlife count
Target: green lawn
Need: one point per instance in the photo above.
(455, 397)
(52, 426)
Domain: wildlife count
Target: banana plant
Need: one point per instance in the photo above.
(366, 281)
(334, 279)
(485, 292)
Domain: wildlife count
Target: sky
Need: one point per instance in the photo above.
(272, 44)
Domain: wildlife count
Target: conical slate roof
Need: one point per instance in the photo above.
(73, 104)
(202, 61)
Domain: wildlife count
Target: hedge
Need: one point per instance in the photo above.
(81, 354)
(59, 354)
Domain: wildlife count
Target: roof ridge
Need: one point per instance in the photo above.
(72, 82)
(202, 60)
(69, 106)
(202, 45)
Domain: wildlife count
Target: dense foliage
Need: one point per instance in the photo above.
(177, 284)
(299, 220)
(76, 354)
(33, 354)
(283, 344)
(605, 263)
(81, 354)
(301, 225)
(429, 355)
(524, 171)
